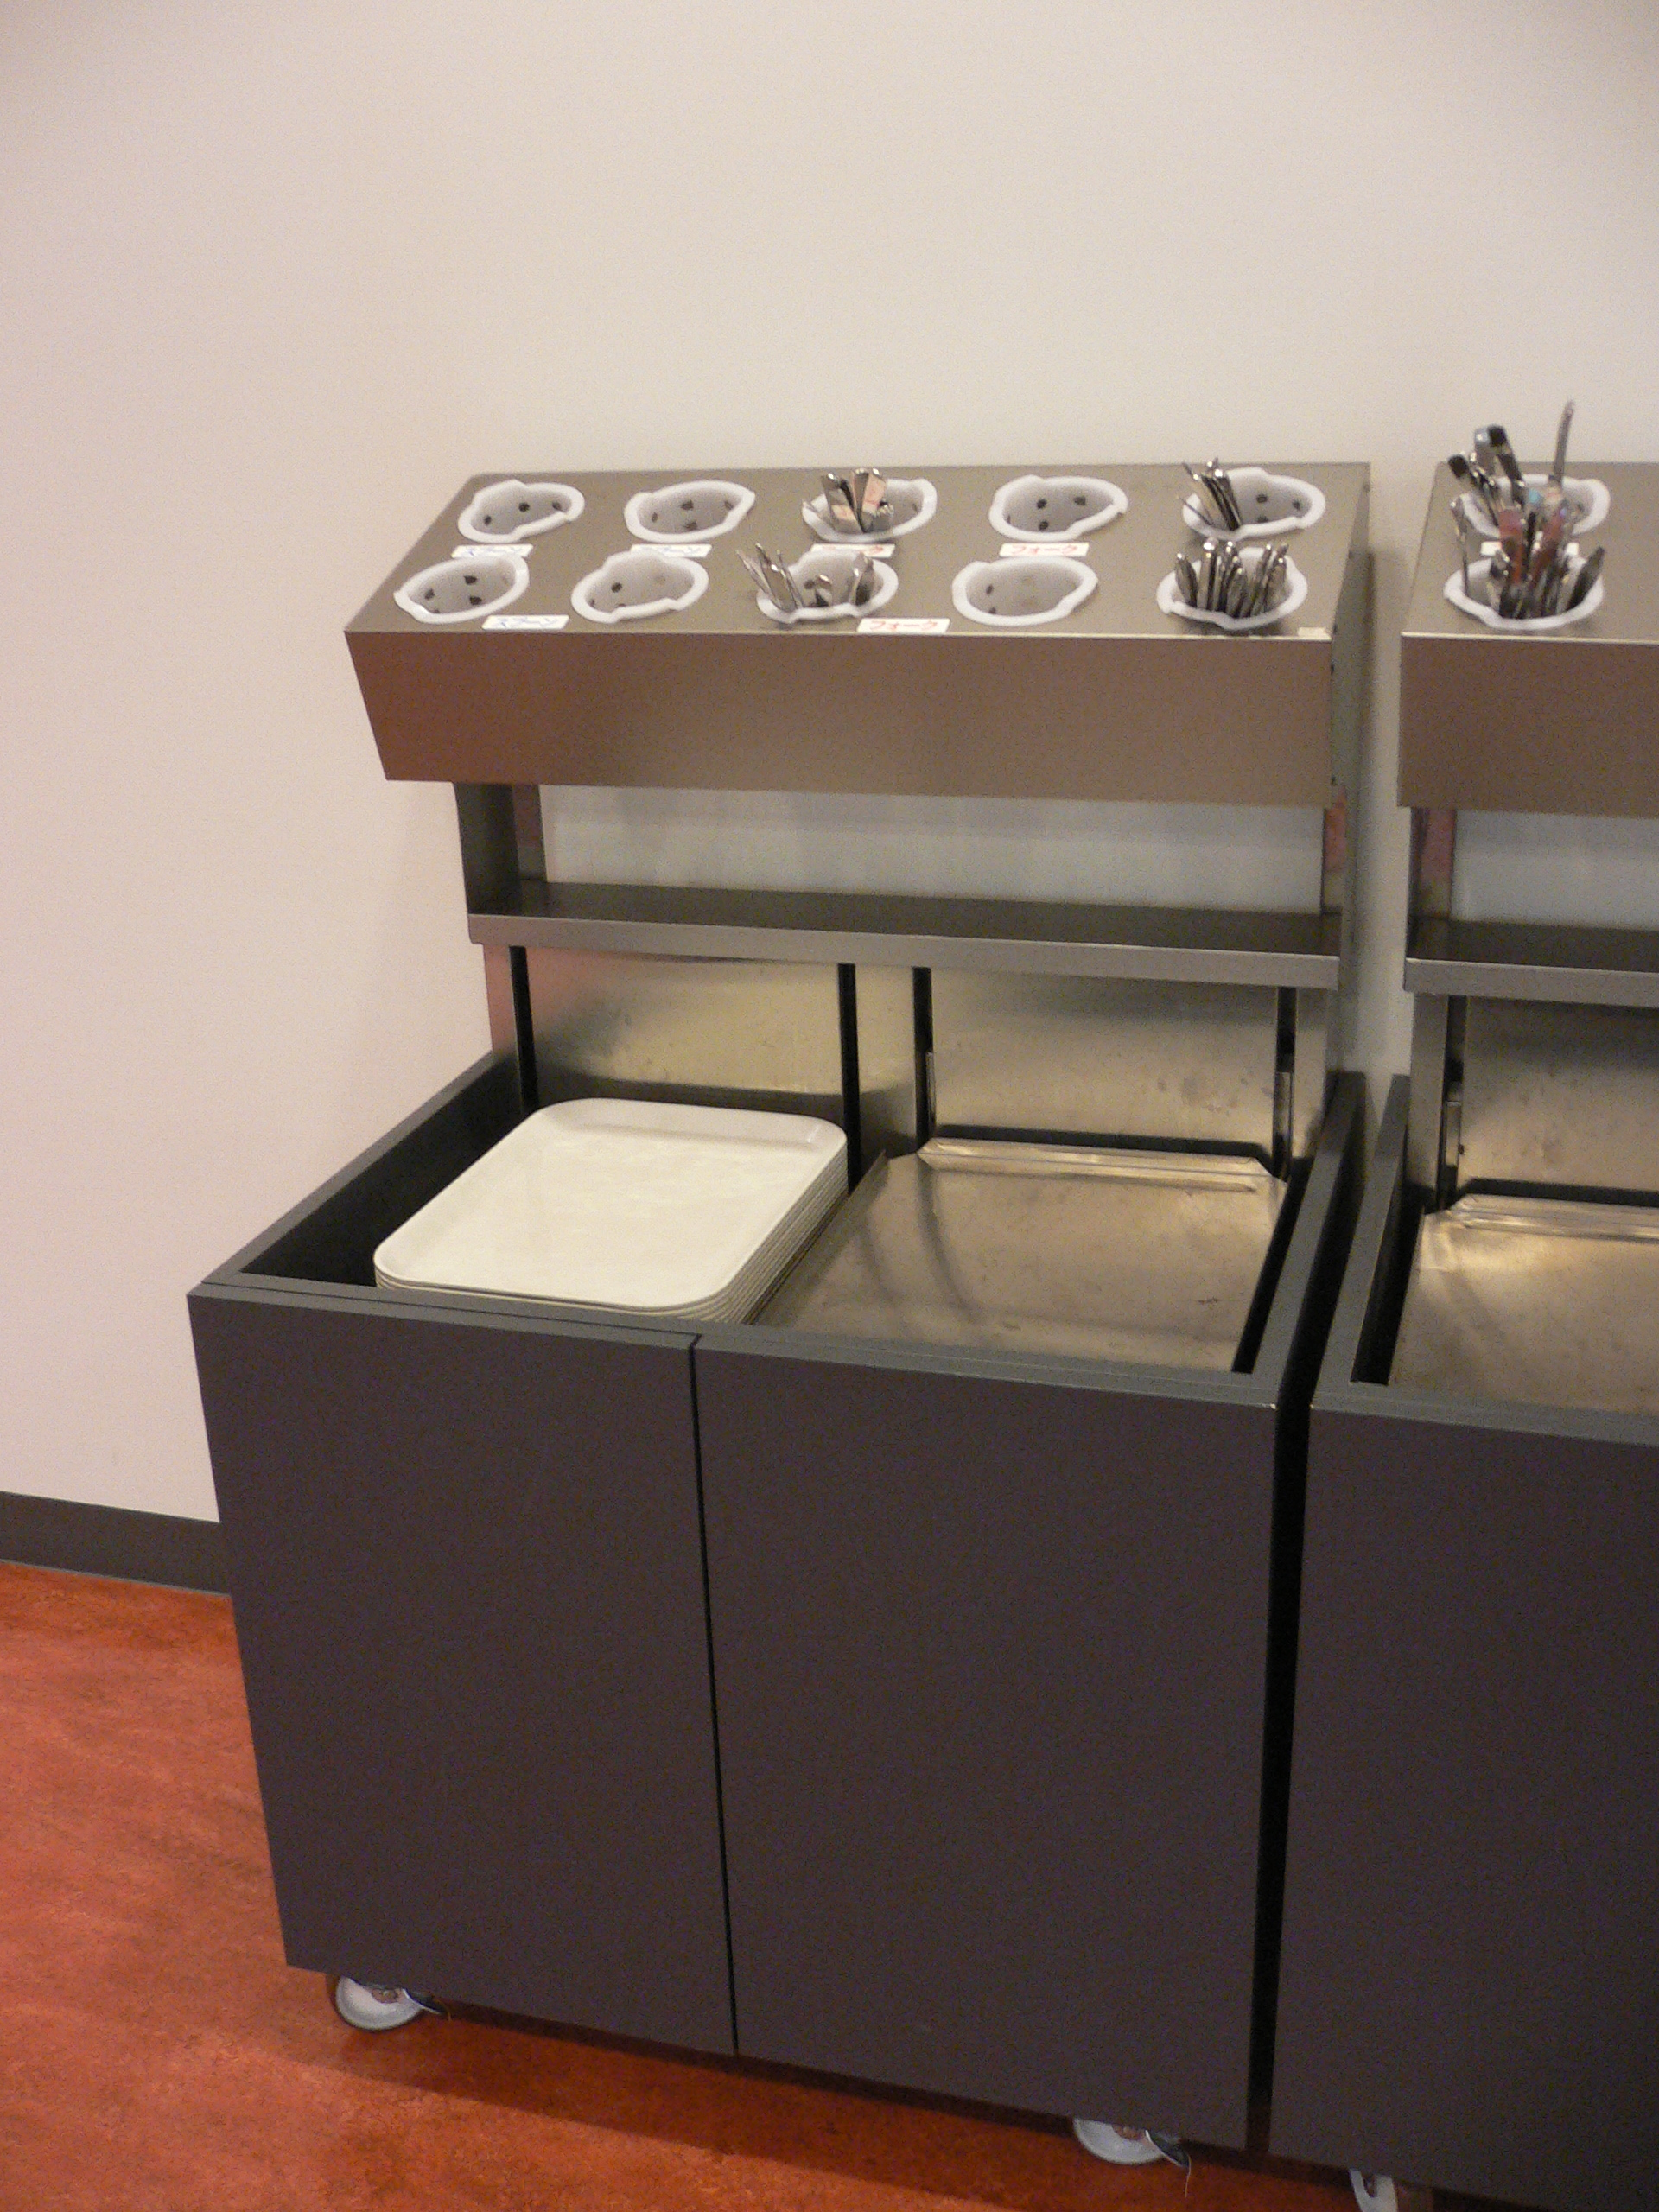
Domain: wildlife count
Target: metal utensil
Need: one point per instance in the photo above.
(1512, 539)
(1255, 600)
(1239, 589)
(869, 489)
(1557, 585)
(1483, 487)
(1279, 582)
(1221, 581)
(1481, 454)
(1238, 577)
(1249, 595)
(1529, 576)
(776, 582)
(840, 503)
(1209, 509)
(788, 594)
(1208, 553)
(1461, 520)
(1186, 579)
(1261, 598)
(1507, 461)
(1547, 559)
(1230, 507)
(1585, 578)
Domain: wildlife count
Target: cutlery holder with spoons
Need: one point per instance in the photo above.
(827, 586)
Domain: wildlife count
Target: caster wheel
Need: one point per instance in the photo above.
(1381, 2193)
(1127, 2146)
(1372, 2192)
(364, 2005)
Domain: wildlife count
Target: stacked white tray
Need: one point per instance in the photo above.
(687, 1213)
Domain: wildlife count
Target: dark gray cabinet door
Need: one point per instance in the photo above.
(1470, 1984)
(989, 1665)
(467, 1574)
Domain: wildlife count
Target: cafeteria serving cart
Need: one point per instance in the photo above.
(894, 1679)
(1469, 1985)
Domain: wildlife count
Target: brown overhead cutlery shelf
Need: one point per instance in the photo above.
(1107, 697)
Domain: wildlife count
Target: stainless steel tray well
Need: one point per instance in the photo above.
(1145, 1256)
(1545, 1301)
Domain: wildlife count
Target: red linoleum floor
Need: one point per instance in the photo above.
(157, 2056)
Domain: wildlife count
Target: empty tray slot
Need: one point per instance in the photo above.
(1551, 1301)
(1153, 1257)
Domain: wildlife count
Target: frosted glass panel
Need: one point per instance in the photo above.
(1016, 849)
(1556, 867)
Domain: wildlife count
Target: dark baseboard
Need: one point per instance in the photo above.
(108, 1540)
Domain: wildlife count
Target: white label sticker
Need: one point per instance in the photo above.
(904, 626)
(525, 621)
(863, 545)
(1074, 549)
(653, 545)
(1324, 636)
(489, 552)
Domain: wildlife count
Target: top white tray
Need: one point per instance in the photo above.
(657, 1209)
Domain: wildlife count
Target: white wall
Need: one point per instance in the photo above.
(275, 278)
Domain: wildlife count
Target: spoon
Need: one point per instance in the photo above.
(774, 580)
(840, 503)
(870, 497)
(1205, 503)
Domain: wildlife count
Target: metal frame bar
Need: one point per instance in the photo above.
(1569, 964)
(1171, 944)
(1527, 960)
(1450, 962)
(515, 911)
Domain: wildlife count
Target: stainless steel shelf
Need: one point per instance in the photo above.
(1174, 944)
(1532, 960)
